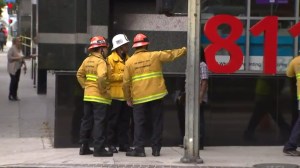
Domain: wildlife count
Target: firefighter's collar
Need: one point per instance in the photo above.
(140, 50)
(96, 54)
(116, 57)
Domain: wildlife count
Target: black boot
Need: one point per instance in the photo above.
(102, 153)
(16, 98)
(112, 149)
(137, 152)
(10, 97)
(156, 151)
(124, 148)
(85, 150)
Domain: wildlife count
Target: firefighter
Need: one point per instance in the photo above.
(144, 89)
(93, 78)
(119, 113)
(290, 147)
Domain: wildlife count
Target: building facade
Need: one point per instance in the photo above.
(245, 108)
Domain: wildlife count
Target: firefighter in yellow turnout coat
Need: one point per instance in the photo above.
(119, 112)
(290, 147)
(144, 88)
(93, 78)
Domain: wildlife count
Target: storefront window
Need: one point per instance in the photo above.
(281, 8)
(232, 7)
(285, 48)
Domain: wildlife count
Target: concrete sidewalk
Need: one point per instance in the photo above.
(37, 152)
(26, 138)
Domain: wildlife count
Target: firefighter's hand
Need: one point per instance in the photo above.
(129, 103)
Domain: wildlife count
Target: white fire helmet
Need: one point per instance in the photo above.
(119, 40)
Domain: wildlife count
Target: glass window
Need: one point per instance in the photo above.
(285, 50)
(263, 107)
(232, 7)
(281, 8)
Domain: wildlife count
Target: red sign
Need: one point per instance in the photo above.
(9, 5)
(268, 26)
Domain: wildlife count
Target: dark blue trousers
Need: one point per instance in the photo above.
(14, 84)
(118, 125)
(294, 137)
(155, 107)
(93, 123)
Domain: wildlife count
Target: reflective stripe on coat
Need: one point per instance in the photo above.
(92, 75)
(143, 79)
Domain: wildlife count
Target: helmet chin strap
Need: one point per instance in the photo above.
(121, 53)
(102, 52)
(123, 56)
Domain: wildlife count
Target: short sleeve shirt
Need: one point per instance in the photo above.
(203, 76)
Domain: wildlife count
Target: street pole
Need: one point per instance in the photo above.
(191, 138)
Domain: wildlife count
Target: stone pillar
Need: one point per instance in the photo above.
(24, 17)
(64, 30)
(33, 42)
(65, 27)
(99, 18)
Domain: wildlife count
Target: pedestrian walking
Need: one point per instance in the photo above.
(15, 61)
(180, 107)
(2, 39)
(119, 112)
(93, 78)
(290, 148)
(203, 96)
(203, 100)
(5, 33)
(144, 89)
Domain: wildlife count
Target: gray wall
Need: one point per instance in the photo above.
(24, 17)
(132, 17)
(65, 27)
